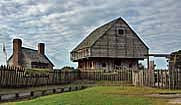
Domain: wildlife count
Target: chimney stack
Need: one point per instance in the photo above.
(41, 48)
(17, 43)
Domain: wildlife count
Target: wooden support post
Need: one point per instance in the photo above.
(148, 63)
(157, 78)
(162, 79)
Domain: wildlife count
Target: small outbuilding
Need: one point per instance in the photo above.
(29, 58)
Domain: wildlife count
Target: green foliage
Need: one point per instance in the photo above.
(37, 71)
(67, 68)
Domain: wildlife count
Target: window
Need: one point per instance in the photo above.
(103, 64)
(120, 31)
(130, 65)
(80, 65)
(90, 64)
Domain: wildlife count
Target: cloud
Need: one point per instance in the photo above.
(63, 24)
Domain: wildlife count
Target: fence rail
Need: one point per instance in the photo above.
(37, 93)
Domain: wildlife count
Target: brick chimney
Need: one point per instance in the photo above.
(41, 48)
(17, 43)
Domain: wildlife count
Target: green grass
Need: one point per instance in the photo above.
(101, 95)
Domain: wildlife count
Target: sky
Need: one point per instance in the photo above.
(63, 24)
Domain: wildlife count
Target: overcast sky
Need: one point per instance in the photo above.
(63, 24)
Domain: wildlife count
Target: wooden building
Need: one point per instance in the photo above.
(175, 60)
(114, 45)
(29, 58)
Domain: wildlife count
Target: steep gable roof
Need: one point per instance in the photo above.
(95, 35)
(100, 31)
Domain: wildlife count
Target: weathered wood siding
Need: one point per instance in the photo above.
(112, 44)
(108, 64)
(83, 53)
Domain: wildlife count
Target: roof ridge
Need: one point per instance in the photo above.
(29, 48)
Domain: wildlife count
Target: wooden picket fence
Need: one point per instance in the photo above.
(169, 79)
(17, 77)
(114, 75)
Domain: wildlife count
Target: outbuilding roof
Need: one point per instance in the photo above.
(33, 56)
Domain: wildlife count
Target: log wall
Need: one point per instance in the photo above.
(114, 45)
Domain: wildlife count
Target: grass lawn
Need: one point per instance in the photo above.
(100, 95)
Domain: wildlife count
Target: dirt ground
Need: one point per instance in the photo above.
(174, 99)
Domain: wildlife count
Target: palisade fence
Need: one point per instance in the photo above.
(114, 75)
(18, 77)
(168, 79)
(14, 77)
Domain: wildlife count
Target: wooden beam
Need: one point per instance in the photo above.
(158, 55)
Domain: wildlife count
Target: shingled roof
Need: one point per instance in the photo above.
(33, 56)
(97, 33)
